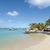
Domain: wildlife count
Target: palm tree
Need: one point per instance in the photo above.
(33, 26)
(41, 26)
(48, 22)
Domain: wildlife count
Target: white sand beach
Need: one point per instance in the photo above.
(44, 45)
(22, 44)
(36, 41)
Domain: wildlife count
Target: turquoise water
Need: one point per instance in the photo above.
(5, 34)
(17, 40)
(14, 39)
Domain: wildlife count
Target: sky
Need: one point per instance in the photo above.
(21, 13)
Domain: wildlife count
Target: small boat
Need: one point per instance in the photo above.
(12, 29)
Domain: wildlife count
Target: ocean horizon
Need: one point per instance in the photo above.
(11, 39)
(17, 39)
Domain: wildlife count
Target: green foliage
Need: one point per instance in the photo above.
(33, 26)
(40, 26)
(48, 22)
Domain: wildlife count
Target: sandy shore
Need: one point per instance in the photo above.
(44, 45)
(27, 43)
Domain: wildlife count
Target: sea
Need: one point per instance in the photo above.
(14, 40)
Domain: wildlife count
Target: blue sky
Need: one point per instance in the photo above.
(20, 13)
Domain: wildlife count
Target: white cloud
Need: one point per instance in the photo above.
(39, 3)
(13, 13)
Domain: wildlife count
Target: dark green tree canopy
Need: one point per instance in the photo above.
(40, 26)
(48, 22)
